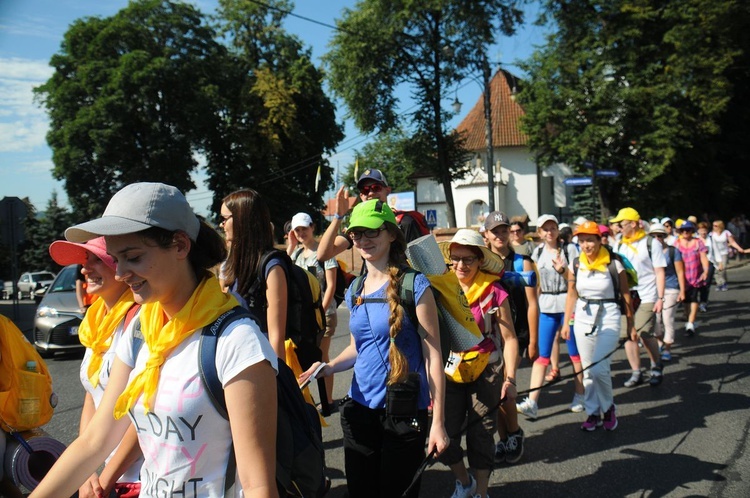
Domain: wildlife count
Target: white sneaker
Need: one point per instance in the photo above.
(577, 405)
(528, 407)
(465, 492)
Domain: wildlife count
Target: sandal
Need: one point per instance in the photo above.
(553, 374)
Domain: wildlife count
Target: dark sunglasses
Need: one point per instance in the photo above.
(467, 260)
(659, 235)
(370, 234)
(374, 188)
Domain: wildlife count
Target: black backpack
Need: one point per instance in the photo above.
(300, 456)
(305, 316)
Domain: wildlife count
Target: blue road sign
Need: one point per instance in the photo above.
(430, 217)
(577, 182)
(607, 173)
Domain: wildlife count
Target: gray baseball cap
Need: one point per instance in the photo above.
(139, 206)
(495, 219)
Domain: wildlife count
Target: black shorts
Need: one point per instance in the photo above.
(692, 294)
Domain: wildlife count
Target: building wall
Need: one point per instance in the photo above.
(517, 186)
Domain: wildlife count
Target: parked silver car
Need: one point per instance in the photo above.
(32, 281)
(57, 318)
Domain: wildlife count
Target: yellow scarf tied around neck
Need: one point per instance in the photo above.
(629, 241)
(205, 304)
(599, 264)
(98, 327)
(480, 285)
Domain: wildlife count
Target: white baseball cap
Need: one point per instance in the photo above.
(545, 218)
(301, 220)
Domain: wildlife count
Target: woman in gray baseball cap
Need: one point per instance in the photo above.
(164, 254)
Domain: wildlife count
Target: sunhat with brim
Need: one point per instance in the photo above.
(491, 262)
(371, 214)
(686, 225)
(137, 207)
(590, 228)
(66, 253)
(657, 228)
(627, 213)
(545, 218)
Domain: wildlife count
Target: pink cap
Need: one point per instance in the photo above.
(69, 253)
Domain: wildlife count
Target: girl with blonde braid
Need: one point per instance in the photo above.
(164, 254)
(382, 451)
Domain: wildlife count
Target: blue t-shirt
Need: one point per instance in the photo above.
(369, 326)
(670, 273)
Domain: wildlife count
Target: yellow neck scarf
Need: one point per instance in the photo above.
(629, 241)
(599, 264)
(205, 304)
(479, 286)
(98, 327)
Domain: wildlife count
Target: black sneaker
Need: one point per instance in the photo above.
(656, 376)
(514, 446)
(500, 452)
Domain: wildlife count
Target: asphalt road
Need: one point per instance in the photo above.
(687, 437)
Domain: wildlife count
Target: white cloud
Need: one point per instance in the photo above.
(23, 123)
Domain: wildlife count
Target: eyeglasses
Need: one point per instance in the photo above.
(466, 260)
(370, 234)
(225, 219)
(373, 187)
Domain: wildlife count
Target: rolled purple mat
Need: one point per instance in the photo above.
(28, 469)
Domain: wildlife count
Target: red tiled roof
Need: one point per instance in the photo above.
(330, 208)
(506, 113)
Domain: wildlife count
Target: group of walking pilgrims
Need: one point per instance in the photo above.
(161, 274)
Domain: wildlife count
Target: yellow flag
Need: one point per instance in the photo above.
(317, 178)
(356, 168)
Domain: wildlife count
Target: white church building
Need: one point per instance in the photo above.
(521, 186)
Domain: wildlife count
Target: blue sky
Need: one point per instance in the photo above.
(31, 32)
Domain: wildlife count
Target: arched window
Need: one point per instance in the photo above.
(475, 213)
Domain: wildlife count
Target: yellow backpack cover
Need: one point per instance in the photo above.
(26, 397)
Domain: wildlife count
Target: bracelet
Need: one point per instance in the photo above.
(511, 381)
(338, 216)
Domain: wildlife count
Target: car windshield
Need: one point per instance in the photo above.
(66, 279)
(38, 277)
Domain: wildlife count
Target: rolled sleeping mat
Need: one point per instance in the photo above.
(28, 469)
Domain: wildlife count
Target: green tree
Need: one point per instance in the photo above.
(390, 152)
(41, 231)
(277, 125)
(637, 86)
(427, 45)
(131, 99)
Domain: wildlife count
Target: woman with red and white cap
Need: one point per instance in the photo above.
(101, 330)
(592, 298)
